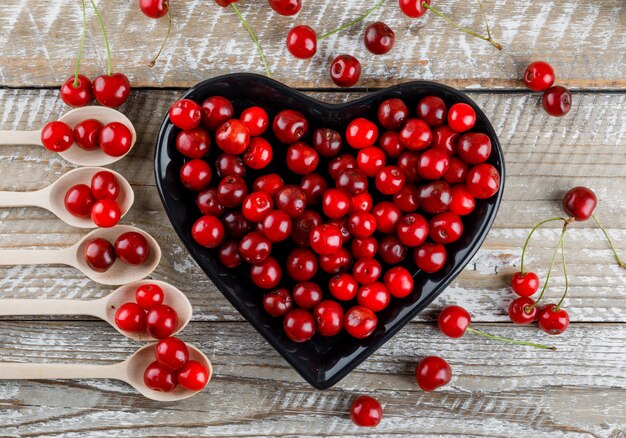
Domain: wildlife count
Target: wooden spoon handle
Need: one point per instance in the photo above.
(20, 137)
(11, 307)
(36, 257)
(19, 199)
(53, 371)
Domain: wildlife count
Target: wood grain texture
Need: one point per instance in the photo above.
(584, 41)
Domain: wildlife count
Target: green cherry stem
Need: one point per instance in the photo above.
(558, 306)
(482, 11)
(254, 39)
(82, 44)
(531, 235)
(353, 22)
(106, 39)
(608, 239)
(509, 340)
(464, 29)
(167, 35)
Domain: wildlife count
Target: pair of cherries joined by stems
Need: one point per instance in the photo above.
(539, 76)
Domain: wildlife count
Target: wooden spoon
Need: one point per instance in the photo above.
(76, 154)
(52, 197)
(130, 371)
(103, 308)
(119, 273)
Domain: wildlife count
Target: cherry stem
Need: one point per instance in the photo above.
(482, 11)
(545, 285)
(464, 29)
(254, 38)
(558, 306)
(167, 35)
(608, 239)
(106, 39)
(353, 22)
(509, 340)
(531, 235)
(82, 44)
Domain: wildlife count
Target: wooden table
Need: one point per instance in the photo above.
(497, 390)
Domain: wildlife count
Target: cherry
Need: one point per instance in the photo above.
(415, 135)
(301, 265)
(79, 200)
(461, 117)
(552, 319)
(387, 217)
(360, 322)
(474, 148)
(195, 174)
(407, 198)
(130, 317)
(342, 223)
(453, 321)
(270, 183)
(390, 179)
(185, 114)
(352, 181)
(328, 318)
(208, 203)
(434, 197)
(522, 310)
(345, 70)
(371, 160)
(432, 372)
(364, 247)
(233, 137)
(539, 76)
(225, 3)
(412, 230)
(256, 119)
(149, 295)
(153, 8)
(327, 141)
(172, 353)
(463, 202)
(430, 257)
(580, 203)
(277, 303)
(105, 213)
(216, 110)
(341, 261)
(445, 227)
(307, 295)
(302, 42)
(162, 321)
(290, 126)
(379, 38)
(325, 239)
(104, 185)
(99, 254)
(366, 271)
(408, 162)
(276, 226)
(111, 90)
(399, 282)
(57, 136)
(343, 287)
(314, 186)
(361, 133)
(266, 274)
(433, 164)
(159, 378)
(228, 253)
(361, 203)
(231, 191)
(375, 296)
(86, 134)
(390, 143)
(525, 284)
(115, 139)
(341, 163)
(286, 7)
(193, 376)
(256, 206)
(335, 203)
(132, 248)
(365, 411)
(254, 247)
(228, 165)
(76, 91)
(413, 8)
(362, 224)
(483, 181)
(303, 225)
(445, 138)
(299, 325)
(235, 225)
(301, 158)
(457, 171)
(432, 110)
(291, 199)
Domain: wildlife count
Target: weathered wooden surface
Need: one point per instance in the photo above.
(584, 41)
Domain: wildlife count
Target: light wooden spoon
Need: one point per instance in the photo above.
(130, 371)
(119, 273)
(76, 154)
(52, 197)
(103, 308)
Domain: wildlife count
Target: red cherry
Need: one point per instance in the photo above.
(76, 91)
(370, 160)
(445, 227)
(433, 164)
(301, 265)
(159, 378)
(256, 206)
(299, 325)
(276, 226)
(266, 274)
(345, 70)
(286, 7)
(474, 148)
(365, 411)
(99, 254)
(290, 126)
(254, 247)
(231, 191)
(461, 117)
(361, 133)
(412, 230)
(446, 139)
(228, 165)
(228, 253)
(193, 143)
(454, 321)
(520, 311)
(233, 137)
(132, 248)
(307, 294)
(364, 247)
(130, 317)
(430, 257)
(193, 376)
(362, 224)
(216, 110)
(314, 186)
(162, 321)
(361, 203)
(341, 261)
(483, 181)
(291, 199)
(387, 217)
(57, 136)
(462, 202)
(301, 158)
(79, 200)
(328, 318)
(539, 76)
(415, 135)
(327, 142)
(390, 179)
(86, 134)
(106, 213)
(352, 181)
(104, 185)
(366, 271)
(432, 110)
(580, 203)
(390, 143)
(325, 239)
(399, 282)
(343, 287)
(408, 162)
(302, 42)
(435, 197)
(335, 203)
(360, 322)
(185, 114)
(115, 139)
(391, 250)
(303, 225)
(195, 174)
(379, 38)
(407, 198)
(341, 163)
(172, 353)
(413, 8)
(111, 90)
(375, 296)
(270, 183)
(526, 284)
(552, 320)
(153, 8)
(277, 303)
(342, 223)
(225, 3)
(432, 372)
(457, 171)
(235, 225)
(256, 120)
(149, 295)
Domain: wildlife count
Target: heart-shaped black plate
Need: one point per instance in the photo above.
(321, 361)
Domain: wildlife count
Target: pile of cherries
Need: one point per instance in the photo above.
(172, 367)
(147, 314)
(131, 248)
(97, 200)
(406, 190)
(539, 76)
(114, 139)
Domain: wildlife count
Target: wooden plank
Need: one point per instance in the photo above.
(499, 389)
(584, 41)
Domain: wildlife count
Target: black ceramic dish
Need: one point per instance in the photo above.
(321, 361)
